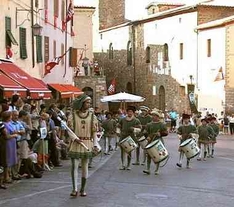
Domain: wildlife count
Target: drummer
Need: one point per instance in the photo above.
(213, 140)
(155, 130)
(144, 118)
(185, 132)
(205, 133)
(127, 125)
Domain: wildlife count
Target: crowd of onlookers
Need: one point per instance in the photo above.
(32, 139)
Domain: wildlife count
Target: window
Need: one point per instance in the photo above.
(39, 48)
(148, 54)
(209, 48)
(54, 48)
(129, 53)
(111, 51)
(36, 4)
(9, 36)
(46, 49)
(181, 51)
(56, 8)
(165, 52)
(23, 41)
(153, 11)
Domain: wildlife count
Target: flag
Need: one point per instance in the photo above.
(69, 16)
(50, 65)
(112, 87)
(220, 75)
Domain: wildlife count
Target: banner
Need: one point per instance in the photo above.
(112, 87)
(220, 75)
(192, 98)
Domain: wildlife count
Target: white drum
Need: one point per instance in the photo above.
(143, 142)
(128, 144)
(190, 148)
(157, 151)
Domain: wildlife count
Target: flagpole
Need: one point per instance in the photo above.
(65, 61)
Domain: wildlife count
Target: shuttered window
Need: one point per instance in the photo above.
(46, 49)
(9, 36)
(39, 48)
(23, 41)
(73, 57)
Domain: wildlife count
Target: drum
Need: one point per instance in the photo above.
(190, 148)
(143, 142)
(128, 144)
(157, 151)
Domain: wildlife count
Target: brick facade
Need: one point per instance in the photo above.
(208, 13)
(111, 13)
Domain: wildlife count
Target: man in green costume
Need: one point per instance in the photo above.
(185, 132)
(155, 130)
(127, 125)
(144, 118)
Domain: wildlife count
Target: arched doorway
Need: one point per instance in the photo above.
(89, 92)
(129, 87)
(162, 98)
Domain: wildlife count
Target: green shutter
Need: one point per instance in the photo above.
(39, 48)
(8, 23)
(23, 45)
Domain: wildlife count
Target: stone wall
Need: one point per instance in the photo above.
(97, 84)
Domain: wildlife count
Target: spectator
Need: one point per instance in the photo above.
(3, 159)
(231, 124)
(225, 124)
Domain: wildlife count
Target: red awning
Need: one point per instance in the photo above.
(64, 92)
(76, 91)
(9, 87)
(36, 90)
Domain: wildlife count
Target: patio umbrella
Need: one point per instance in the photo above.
(122, 97)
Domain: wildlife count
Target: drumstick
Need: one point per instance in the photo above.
(73, 134)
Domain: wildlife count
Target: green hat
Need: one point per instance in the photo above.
(78, 102)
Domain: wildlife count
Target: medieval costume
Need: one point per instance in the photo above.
(205, 133)
(109, 126)
(85, 125)
(155, 131)
(185, 132)
(213, 139)
(144, 118)
(127, 126)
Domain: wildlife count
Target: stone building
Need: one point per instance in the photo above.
(155, 57)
